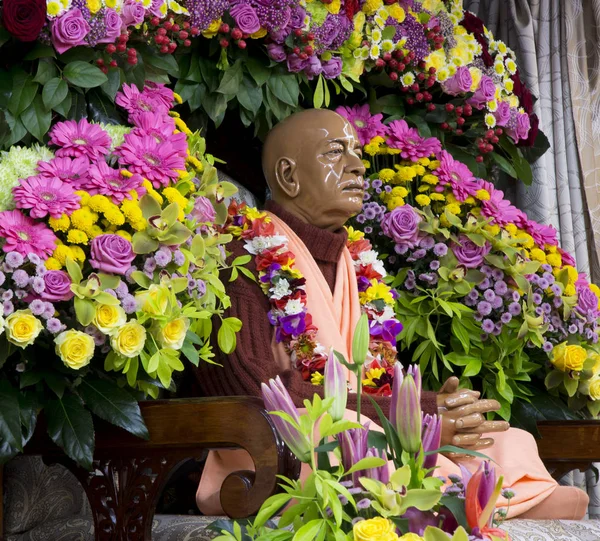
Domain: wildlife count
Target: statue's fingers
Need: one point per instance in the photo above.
(482, 443)
(470, 421)
(464, 440)
(480, 406)
(450, 385)
(461, 398)
(487, 426)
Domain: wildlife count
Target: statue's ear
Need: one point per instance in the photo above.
(285, 174)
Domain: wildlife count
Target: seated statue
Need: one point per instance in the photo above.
(312, 164)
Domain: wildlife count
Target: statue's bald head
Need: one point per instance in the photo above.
(312, 155)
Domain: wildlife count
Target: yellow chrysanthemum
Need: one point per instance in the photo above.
(84, 197)
(84, 218)
(94, 5)
(554, 259)
(437, 197)
(395, 202)
(423, 188)
(386, 174)
(53, 264)
(138, 225)
(551, 249)
(114, 216)
(571, 273)
(125, 234)
(570, 290)
(538, 255)
(77, 236)
(430, 179)
(405, 174)
(433, 165)
(60, 224)
(396, 11)
(95, 231)
(78, 253)
(367, 164)
(371, 6)
(492, 229)
(61, 252)
(483, 195)
(400, 191)
(511, 228)
(453, 208)
(423, 200)
(99, 203)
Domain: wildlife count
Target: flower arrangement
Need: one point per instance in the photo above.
(284, 285)
(109, 271)
(482, 289)
(353, 492)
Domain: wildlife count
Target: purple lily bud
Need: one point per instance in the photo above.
(382, 473)
(398, 378)
(353, 445)
(276, 398)
(488, 483)
(408, 416)
(415, 372)
(336, 386)
(432, 436)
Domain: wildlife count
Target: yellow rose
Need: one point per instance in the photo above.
(172, 335)
(22, 328)
(375, 529)
(129, 340)
(411, 537)
(75, 348)
(594, 391)
(108, 317)
(596, 368)
(568, 357)
(155, 300)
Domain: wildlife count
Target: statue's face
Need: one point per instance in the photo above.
(330, 174)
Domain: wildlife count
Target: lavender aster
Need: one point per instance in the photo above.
(20, 278)
(37, 307)
(14, 259)
(484, 308)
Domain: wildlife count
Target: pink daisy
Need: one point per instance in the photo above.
(458, 175)
(105, 180)
(160, 92)
(24, 235)
(80, 139)
(135, 102)
(158, 162)
(157, 125)
(367, 125)
(412, 145)
(65, 169)
(498, 208)
(43, 196)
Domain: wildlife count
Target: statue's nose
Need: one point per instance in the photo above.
(355, 165)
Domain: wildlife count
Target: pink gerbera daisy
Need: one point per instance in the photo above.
(498, 208)
(158, 162)
(105, 180)
(367, 125)
(68, 170)
(80, 139)
(24, 235)
(410, 143)
(157, 125)
(458, 175)
(160, 92)
(135, 102)
(43, 196)
(542, 234)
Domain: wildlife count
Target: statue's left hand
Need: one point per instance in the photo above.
(463, 417)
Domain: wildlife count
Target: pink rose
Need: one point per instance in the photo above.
(485, 93)
(402, 226)
(57, 286)
(502, 114)
(112, 25)
(460, 83)
(69, 30)
(111, 253)
(468, 253)
(133, 13)
(203, 210)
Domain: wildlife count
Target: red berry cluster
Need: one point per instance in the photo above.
(232, 35)
(486, 143)
(436, 39)
(120, 46)
(168, 34)
(460, 112)
(302, 45)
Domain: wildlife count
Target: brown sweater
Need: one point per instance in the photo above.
(252, 362)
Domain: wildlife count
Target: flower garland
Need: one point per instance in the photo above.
(284, 285)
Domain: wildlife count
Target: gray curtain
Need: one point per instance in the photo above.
(558, 49)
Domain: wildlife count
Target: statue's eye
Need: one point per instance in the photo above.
(335, 151)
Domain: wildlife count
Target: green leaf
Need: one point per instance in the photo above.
(84, 310)
(10, 419)
(250, 95)
(70, 427)
(112, 84)
(215, 105)
(319, 94)
(232, 78)
(23, 92)
(366, 464)
(113, 404)
(258, 70)
(37, 118)
(40, 51)
(46, 70)
(83, 54)
(226, 336)
(270, 507)
(190, 351)
(309, 531)
(473, 368)
(420, 123)
(54, 93)
(64, 107)
(285, 87)
(101, 109)
(85, 75)
(457, 508)
(165, 62)
(504, 164)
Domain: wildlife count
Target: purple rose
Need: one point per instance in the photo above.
(276, 52)
(502, 114)
(402, 226)
(295, 63)
(69, 30)
(297, 17)
(587, 301)
(57, 286)
(460, 83)
(112, 24)
(111, 253)
(133, 13)
(468, 253)
(313, 67)
(203, 210)
(246, 18)
(332, 68)
(485, 93)
(518, 126)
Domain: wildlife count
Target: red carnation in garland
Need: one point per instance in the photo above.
(352, 7)
(24, 19)
(267, 258)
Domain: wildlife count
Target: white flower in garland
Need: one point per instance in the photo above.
(369, 257)
(293, 307)
(282, 289)
(260, 244)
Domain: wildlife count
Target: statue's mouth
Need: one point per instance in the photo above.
(354, 187)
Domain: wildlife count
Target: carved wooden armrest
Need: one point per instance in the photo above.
(129, 473)
(568, 445)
